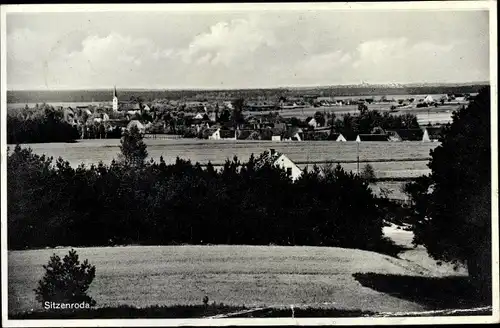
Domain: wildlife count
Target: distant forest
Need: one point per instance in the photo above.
(149, 95)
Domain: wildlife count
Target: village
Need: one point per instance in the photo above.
(310, 117)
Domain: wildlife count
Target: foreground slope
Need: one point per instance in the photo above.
(234, 275)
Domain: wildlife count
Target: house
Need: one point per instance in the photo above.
(429, 99)
(405, 135)
(337, 137)
(212, 133)
(198, 116)
(293, 134)
(311, 121)
(432, 134)
(276, 137)
(275, 158)
(139, 125)
(212, 116)
(372, 137)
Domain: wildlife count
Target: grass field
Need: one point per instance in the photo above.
(143, 276)
(432, 114)
(217, 151)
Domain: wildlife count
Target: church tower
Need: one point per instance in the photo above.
(115, 101)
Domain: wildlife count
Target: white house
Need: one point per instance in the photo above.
(338, 137)
(273, 157)
(432, 134)
(428, 99)
(198, 116)
(215, 135)
(276, 138)
(293, 134)
(312, 122)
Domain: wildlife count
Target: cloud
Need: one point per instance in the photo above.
(323, 63)
(228, 43)
(246, 50)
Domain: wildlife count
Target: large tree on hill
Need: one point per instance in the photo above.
(453, 205)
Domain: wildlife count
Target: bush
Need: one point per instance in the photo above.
(368, 173)
(133, 149)
(66, 281)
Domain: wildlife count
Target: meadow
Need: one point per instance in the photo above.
(217, 151)
(273, 276)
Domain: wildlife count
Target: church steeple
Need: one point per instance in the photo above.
(115, 100)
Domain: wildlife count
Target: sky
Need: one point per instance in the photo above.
(244, 49)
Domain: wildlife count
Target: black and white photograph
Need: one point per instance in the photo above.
(249, 164)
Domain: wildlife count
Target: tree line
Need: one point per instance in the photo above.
(43, 124)
(151, 203)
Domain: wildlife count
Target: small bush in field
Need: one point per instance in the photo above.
(66, 280)
(368, 173)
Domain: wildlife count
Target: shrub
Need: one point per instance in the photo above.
(133, 149)
(368, 173)
(66, 281)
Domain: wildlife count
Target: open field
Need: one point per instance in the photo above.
(217, 151)
(234, 275)
(432, 114)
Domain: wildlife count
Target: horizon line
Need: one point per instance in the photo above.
(395, 85)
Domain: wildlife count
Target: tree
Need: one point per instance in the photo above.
(453, 207)
(363, 109)
(320, 118)
(225, 115)
(133, 149)
(66, 281)
(237, 115)
(368, 173)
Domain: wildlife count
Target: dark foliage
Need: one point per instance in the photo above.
(157, 204)
(368, 173)
(452, 207)
(66, 280)
(46, 126)
(370, 120)
(132, 147)
(435, 293)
